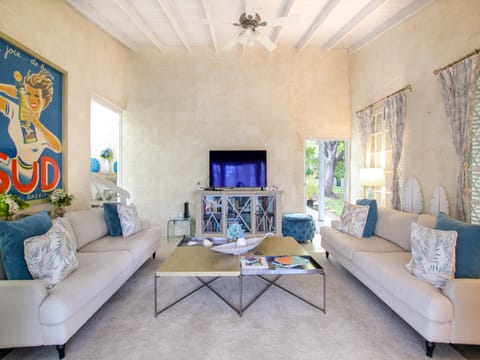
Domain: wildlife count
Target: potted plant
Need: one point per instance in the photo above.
(60, 200)
(107, 154)
(10, 205)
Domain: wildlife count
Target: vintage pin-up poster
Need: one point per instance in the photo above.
(31, 123)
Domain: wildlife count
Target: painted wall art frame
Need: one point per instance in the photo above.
(32, 123)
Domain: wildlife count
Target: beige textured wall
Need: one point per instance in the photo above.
(181, 106)
(442, 32)
(94, 62)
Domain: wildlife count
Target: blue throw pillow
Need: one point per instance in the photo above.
(12, 236)
(369, 228)
(111, 219)
(468, 245)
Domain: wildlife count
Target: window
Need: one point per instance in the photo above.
(105, 133)
(381, 154)
(475, 161)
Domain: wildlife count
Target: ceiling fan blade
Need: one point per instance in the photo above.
(250, 7)
(265, 41)
(229, 45)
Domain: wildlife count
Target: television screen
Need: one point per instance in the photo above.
(238, 168)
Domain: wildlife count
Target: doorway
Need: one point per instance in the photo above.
(326, 179)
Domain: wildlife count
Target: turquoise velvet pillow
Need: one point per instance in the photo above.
(372, 216)
(111, 219)
(468, 245)
(12, 236)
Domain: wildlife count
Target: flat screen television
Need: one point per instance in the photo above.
(238, 168)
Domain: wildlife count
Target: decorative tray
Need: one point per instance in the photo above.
(232, 248)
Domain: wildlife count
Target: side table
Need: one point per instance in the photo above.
(171, 225)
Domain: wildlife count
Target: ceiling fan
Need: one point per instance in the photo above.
(249, 22)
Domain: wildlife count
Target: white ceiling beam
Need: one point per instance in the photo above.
(278, 30)
(133, 15)
(87, 9)
(174, 22)
(322, 16)
(357, 19)
(206, 9)
(411, 9)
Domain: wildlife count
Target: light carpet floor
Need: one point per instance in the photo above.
(357, 324)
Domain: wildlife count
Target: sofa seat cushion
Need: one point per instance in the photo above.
(347, 245)
(88, 225)
(95, 273)
(389, 271)
(137, 244)
(394, 226)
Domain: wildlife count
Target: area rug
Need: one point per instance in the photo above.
(357, 325)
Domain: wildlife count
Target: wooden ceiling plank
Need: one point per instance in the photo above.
(403, 14)
(322, 16)
(174, 22)
(133, 15)
(98, 18)
(286, 12)
(250, 7)
(357, 19)
(207, 10)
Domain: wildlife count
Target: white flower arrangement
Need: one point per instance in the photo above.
(11, 204)
(60, 198)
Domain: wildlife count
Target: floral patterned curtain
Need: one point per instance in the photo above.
(395, 110)
(364, 117)
(458, 84)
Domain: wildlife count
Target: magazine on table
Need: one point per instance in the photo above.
(253, 262)
(290, 261)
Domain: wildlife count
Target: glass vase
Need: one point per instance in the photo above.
(59, 211)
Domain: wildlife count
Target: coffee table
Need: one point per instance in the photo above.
(200, 262)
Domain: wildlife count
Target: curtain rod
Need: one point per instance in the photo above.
(405, 88)
(476, 51)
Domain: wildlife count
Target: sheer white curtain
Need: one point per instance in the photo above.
(458, 85)
(395, 111)
(364, 117)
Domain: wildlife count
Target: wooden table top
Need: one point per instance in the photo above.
(201, 261)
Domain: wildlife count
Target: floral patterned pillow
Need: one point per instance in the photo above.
(128, 219)
(433, 254)
(51, 257)
(353, 219)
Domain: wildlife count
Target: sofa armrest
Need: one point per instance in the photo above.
(20, 302)
(464, 294)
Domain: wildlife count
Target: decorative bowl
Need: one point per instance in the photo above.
(233, 249)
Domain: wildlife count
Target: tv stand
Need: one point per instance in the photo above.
(257, 211)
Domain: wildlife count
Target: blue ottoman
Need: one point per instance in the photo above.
(299, 226)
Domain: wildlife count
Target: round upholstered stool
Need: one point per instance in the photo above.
(299, 226)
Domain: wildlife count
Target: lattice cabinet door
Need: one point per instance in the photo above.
(212, 214)
(239, 210)
(265, 213)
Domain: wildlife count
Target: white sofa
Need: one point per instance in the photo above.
(33, 315)
(448, 316)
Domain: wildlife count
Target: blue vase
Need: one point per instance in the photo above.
(94, 165)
